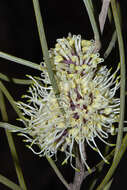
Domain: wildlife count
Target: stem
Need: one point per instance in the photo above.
(14, 128)
(111, 45)
(103, 14)
(89, 9)
(79, 175)
(122, 74)
(12, 145)
(15, 80)
(53, 81)
(93, 183)
(114, 36)
(109, 14)
(20, 61)
(119, 150)
(91, 4)
(58, 173)
(9, 183)
(114, 164)
(16, 161)
(117, 19)
(45, 47)
(107, 187)
(10, 99)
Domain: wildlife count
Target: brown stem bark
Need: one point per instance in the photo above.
(103, 14)
(81, 174)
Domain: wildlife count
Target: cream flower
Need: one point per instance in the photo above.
(87, 90)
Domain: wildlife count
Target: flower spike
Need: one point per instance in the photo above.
(87, 94)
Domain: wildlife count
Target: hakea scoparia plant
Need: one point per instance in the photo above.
(87, 95)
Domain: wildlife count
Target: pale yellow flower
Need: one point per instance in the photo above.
(87, 95)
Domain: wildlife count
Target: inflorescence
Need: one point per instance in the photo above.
(87, 95)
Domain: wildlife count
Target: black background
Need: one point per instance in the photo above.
(19, 37)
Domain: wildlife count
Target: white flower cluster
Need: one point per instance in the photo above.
(87, 91)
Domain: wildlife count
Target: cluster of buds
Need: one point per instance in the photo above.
(87, 90)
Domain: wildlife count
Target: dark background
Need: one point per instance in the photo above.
(19, 37)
